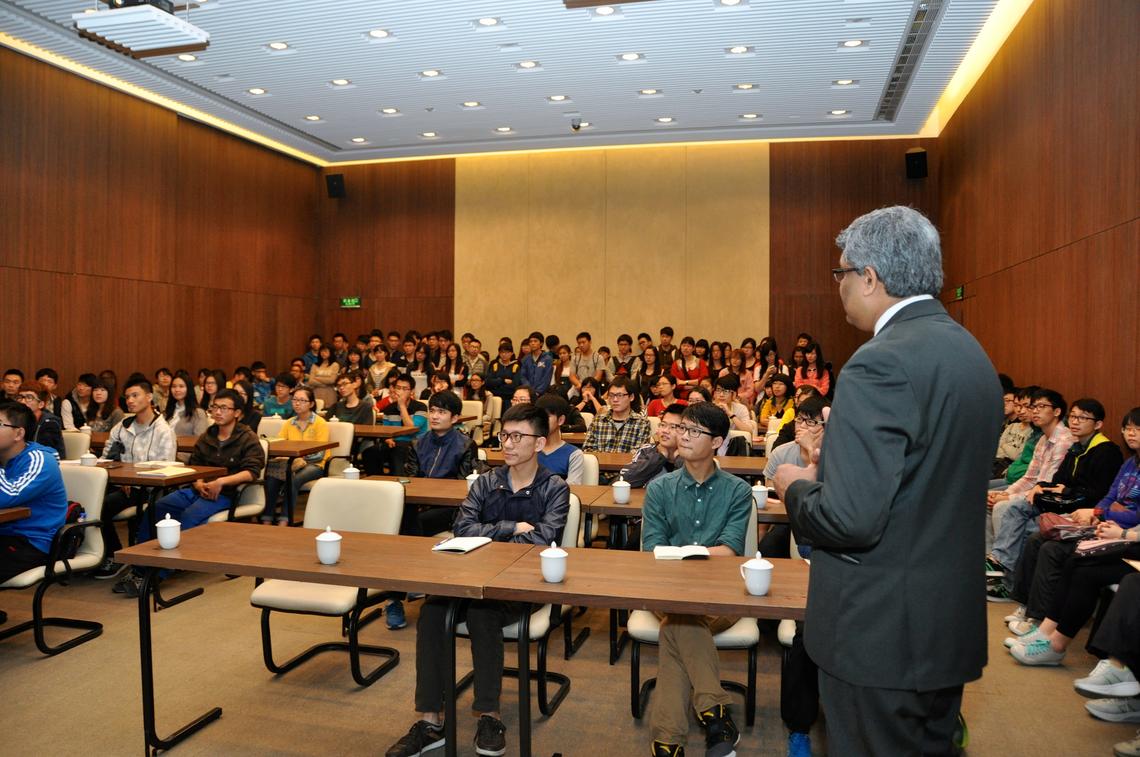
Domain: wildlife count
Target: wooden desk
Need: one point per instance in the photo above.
(378, 431)
(773, 512)
(9, 514)
(395, 563)
(129, 474)
(99, 441)
(294, 449)
(739, 465)
(577, 438)
(635, 580)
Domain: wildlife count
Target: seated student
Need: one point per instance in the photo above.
(75, 404)
(655, 459)
(785, 428)
(724, 397)
(811, 417)
(249, 413)
(589, 398)
(561, 458)
(139, 438)
(351, 405)
(503, 373)
(29, 477)
(13, 379)
(1014, 435)
(523, 395)
(618, 429)
(48, 379)
(1117, 643)
(262, 384)
(1086, 472)
(697, 504)
(439, 382)
(664, 395)
(103, 411)
(476, 391)
(279, 404)
(1048, 409)
(228, 444)
(307, 425)
(402, 411)
(520, 502)
(182, 412)
(48, 430)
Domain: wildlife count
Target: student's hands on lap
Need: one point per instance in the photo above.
(522, 527)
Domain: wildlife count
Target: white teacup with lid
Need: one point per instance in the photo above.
(169, 532)
(760, 496)
(471, 479)
(86, 429)
(334, 419)
(328, 546)
(351, 472)
(621, 489)
(553, 560)
(88, 459)
(757, 575)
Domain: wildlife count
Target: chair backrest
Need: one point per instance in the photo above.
(654, 422)
(588, 419)
(475, 408)
(496, 414)
(355, 505)
(341, 433)
(86, 485)
(270, 426)
(590, 470)
(320, 405)
(573, 517)
(75, 444)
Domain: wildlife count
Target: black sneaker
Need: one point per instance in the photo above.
(421, 738)
(108, 569)
(721, 733)
(997, 592)
(490, 736)
(994, 569)
(129, 585)
(661, 749)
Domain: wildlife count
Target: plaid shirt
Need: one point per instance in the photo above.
(607, 435)
(1047, 457)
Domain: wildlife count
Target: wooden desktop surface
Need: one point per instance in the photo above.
(281, 448)
(99, 441)
(378, 431)
(128, 474)
(635, 580)
(379, 561)
(9, 514)
(739, 465)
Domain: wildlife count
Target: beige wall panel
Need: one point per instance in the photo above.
(726, 242)
(645, 241)
(492, 260)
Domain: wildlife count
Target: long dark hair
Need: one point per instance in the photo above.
(190, 403)
(820, 365)
(101, 410)
(657, 367)
(219, 379)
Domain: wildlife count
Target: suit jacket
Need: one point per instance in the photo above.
(897, 596)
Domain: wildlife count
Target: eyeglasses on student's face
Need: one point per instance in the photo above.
(1081, 418)
(222, 408)
(514, 437)
(692, 432)
(809, 422)
(619, 395)
(1041, 406)
(301, 401)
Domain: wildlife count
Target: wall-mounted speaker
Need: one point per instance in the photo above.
(916, 163)
(335, 183)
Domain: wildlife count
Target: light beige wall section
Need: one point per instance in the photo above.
(608, 241)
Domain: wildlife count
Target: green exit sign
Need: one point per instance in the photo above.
(959, 292)
(350, 302)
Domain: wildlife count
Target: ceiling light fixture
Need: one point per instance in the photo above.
(648, 92)
(256, 91)
(750, 116)
(853, 43)
(429, 135)
(730, 3)
(604, 10)
(430, 73)
(839, 112)
(312, 118)
(528, 64)
(379, 33)
(340, 82)
(359, 140)
(844, 82)
(556, 98)
(744, 87)
(278, 45)
(471, 104)
(665, 120)
(488, 21)
(187, 58)
(502, 129)
(739, 49)
(629, 57)
(389, 111)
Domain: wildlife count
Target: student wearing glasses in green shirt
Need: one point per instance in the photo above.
(696, 504)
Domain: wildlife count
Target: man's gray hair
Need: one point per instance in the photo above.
(902, 246)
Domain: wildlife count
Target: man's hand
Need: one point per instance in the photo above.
(1084, 516)
(522, 527)
(994, 497)
(209, 490)
(787, 473)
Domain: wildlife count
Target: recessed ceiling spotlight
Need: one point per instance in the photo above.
(488, 21)
(839, 112)
(187, 58)
(557, 98)
(256, 91)
(649, 92)
(604, 10)
(471, 104)
(729, 3)
(340, 82)
(744, 87)
(585, 125)
(528, 64)
(853, 43)
(379, 33)
(389, 111)
(312, 118)
(665, 120)
(359, 140)
(430, 73)
(428, 135)
(844, 82)
(739, 49)
(750, 116)
(278, 45)
(629, 57)
(502, 129)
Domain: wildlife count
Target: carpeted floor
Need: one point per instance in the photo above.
(207, 653)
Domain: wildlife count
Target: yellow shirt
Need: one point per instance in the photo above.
(316, 431)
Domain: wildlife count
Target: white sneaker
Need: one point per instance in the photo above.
(1128, 748)
(1107, 680)
(1022, 627)
(1016, 615)
(1011, 641)
(1115, 710)
(1036, 652)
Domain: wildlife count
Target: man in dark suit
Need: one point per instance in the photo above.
(895, 508)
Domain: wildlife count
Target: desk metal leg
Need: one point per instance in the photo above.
(524, 681)
(450, 727)
(290, 496)
(588, 529)
(154, 742)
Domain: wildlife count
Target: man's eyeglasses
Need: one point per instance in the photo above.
(27, 397)
(300, 401)
(619, 395)
(670, 426)
(1081, 418)
(839, 273)
(227, 408)
(1040, 406)
(692, 432)
(514, 437)
(9, 425)
(809, 422)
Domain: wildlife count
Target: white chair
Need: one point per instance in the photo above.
(590, 470)
(75, 444)
(250, 501)
(474, 428)
(320, 405)
(341, 457)
(735, 433)
(786, 631)
(644, 628)
(654, 422)
(542, 622)
(588, 419)
(346, 505)
(270, 426)
(85, 486)
(496, 414)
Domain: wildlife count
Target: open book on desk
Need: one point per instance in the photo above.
(687, 552)
(461, 544)
(167, 472)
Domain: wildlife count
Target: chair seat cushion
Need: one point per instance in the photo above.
(32, 577)
(539, 626)
(786, 632)
(646, 628)
(299, 596)
(241, 511)
(125, 514)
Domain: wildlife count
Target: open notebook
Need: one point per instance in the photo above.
(461, 544)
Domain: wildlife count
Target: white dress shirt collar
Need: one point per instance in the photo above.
(890, 312)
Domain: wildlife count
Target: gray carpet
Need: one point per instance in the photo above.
(208, 653)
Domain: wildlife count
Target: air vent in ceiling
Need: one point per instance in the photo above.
(926, 13)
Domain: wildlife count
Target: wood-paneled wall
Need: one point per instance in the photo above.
(390, 240)
(817, 189)
(133, 238)
(1040, 208)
